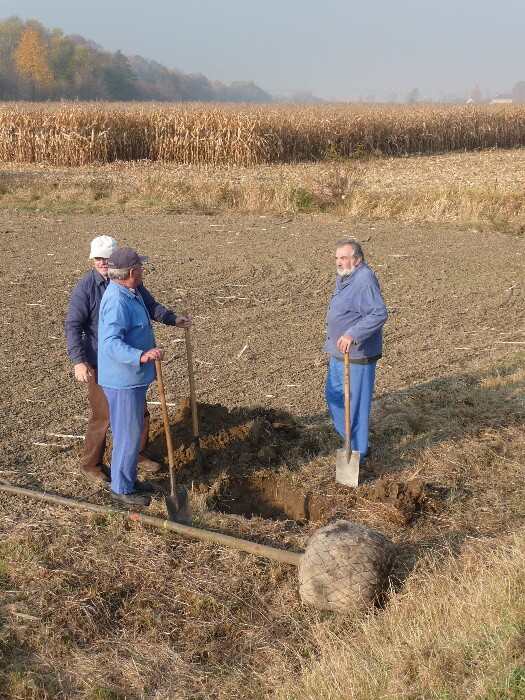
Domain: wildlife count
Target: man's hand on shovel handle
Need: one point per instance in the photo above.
(152, 355)
(344, 343)
(183, 322)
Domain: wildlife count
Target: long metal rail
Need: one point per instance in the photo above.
(259, 550)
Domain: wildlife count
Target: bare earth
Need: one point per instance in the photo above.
(257, 289)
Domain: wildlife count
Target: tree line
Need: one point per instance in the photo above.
(39, 64)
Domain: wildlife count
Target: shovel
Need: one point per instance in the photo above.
(347, 460)
(177, 502)
(200, 458)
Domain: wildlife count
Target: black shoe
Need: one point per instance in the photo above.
(143, 487)
(131, 499)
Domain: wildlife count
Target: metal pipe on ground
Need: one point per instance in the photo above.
(259, 550)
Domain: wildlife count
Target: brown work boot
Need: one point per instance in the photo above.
(146, 464)
(97, 473)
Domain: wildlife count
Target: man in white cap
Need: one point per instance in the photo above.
(82, 346)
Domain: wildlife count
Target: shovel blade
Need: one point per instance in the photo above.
(200, 457)
(178, 508)
(347, 470)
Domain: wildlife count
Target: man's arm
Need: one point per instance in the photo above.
(156, 311)
(373, 313)
(160, 313)
(77, 317)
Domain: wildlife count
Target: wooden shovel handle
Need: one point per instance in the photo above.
(193, 398)
(347, 405)
(167, 430)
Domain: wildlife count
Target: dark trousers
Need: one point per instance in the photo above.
(98, 424)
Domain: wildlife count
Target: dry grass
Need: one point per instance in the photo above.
(76, 134)
(94, 607)
(484, 189)
(140, 615)
(456, 632)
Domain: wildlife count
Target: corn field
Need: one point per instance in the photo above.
(77, 134)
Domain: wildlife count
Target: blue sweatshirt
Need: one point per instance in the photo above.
(83, 311)
(125, 332)
(357, 309)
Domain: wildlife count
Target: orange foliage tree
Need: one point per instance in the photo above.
(31, 58)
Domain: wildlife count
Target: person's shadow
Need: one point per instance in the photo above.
(443, 412)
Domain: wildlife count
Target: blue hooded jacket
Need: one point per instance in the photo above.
(125, 332)
(357, 309)
(82, 316)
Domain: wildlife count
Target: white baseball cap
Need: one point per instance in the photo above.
(102, 247)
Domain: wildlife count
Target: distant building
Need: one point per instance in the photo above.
(502, 100)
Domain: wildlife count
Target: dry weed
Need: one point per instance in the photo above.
(455, 632)
(482, 189)
(97, 605)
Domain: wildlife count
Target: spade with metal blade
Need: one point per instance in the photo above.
(347, 460)
(200, 457)
(177, 502)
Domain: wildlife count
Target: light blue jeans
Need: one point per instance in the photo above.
(126, 413)
(362, 379)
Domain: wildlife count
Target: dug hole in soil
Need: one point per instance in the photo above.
(259, 304)
(253, 459)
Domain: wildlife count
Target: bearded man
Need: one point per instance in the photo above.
(355, 319)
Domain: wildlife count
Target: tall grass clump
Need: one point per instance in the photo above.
(455, 632)
(77, 134)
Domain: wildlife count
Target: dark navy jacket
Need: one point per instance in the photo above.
(357, 309)
(82, 316)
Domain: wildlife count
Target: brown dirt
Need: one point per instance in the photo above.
(257, 288)
(447, 435)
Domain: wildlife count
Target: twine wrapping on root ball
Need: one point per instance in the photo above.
(345, 567)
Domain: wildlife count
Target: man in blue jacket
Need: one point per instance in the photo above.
(126, 357)
(355, 319)
(82, 346)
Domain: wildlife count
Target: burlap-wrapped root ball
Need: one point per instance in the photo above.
(345, 566)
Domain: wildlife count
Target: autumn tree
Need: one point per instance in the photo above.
(11, 31)
(475, 94)
(61, 61)
(31, 58)
(413, 96)
(518, 92)
(38, 63)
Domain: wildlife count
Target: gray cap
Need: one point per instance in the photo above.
(124, 258)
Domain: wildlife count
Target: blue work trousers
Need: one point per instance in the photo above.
(362, 379)
(126, 413)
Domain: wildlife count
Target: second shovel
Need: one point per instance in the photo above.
(177, 502)
(200, 458)
(347, 460)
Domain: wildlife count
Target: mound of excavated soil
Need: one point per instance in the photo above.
(234, 440)
(257, 288)
(253, 458)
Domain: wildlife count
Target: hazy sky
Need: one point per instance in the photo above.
(339, 49)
